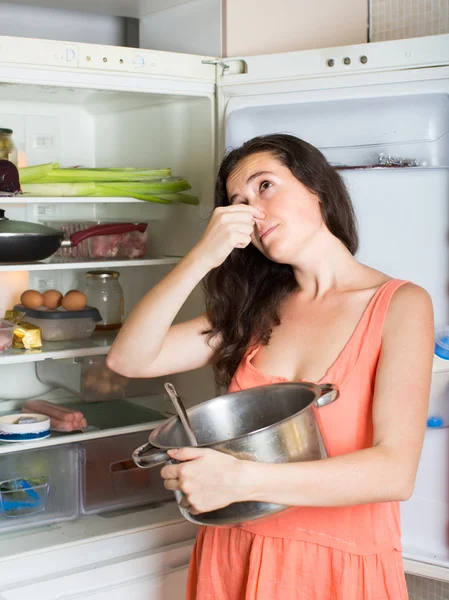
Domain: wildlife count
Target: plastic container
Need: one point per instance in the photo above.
(39, 487)
(8, 150)
(438, 413)
(442, 343)
(6, 334)
(61, 325)
(87, 377)
(111, 480)
(123, 246)
(13, 431)
(104, 291)
(21, 497)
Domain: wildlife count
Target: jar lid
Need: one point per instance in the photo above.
(5, 131)
(102, 275)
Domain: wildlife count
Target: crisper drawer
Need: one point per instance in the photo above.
(111, 480)
(39, 487)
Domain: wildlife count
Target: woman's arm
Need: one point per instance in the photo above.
(174, 348)
(184, 349)
(381, 473)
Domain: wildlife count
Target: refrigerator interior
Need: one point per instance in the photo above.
(403, 221)
(108, 128)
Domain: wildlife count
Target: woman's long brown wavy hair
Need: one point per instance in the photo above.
(245, 293)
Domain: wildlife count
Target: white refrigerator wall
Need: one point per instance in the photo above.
(112, 129)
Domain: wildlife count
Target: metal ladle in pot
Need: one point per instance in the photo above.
(181, 412)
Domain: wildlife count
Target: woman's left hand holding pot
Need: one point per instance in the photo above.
(208, 479)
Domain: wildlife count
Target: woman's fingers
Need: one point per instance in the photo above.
(172, 484)
(236, 208)
(170, 472)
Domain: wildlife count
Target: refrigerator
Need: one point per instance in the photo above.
(380, 114)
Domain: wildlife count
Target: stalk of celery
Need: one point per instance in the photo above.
(103, 175)
(52, 190)
(28, 174)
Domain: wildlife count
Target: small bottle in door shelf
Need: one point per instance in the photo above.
(105, 293)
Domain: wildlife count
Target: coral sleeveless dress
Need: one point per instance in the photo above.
(336, 553)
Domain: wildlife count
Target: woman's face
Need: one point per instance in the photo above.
(292, 212)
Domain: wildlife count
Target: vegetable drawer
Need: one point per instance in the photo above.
(39, 487)
(111, 480)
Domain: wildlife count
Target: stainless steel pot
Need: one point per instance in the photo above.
(271, 423)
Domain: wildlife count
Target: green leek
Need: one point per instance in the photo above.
(150, 185)
(28, 174)
(129, 188)
(103, 175)
(54, 190)
(183, 198)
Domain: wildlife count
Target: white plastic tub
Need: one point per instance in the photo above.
(61, 325)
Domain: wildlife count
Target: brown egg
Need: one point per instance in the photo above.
(52, 298)
(31, 299)
(74, 300)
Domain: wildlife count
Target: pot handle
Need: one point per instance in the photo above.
(328, 393)
(154, 458)
(104, 229)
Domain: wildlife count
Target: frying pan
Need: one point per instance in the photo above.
(25, 242)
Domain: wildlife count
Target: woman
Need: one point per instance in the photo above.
(287, 301)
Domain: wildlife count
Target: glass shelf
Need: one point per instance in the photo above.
(97, 345)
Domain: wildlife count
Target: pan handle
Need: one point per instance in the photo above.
(149, 456)
(104, 229)
(328, 393)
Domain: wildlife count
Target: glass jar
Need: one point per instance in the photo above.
(105, 293)
(8, 150)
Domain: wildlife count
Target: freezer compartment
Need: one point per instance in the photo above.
(111, 480)
(39, 487)
(92, 380)
(355, 131)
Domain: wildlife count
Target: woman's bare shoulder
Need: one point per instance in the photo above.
(411, 305)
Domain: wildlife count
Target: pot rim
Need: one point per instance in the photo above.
(307, 384)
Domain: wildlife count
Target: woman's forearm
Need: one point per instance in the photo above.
(371, 475)
(153, 315)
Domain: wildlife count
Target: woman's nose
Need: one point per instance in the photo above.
(259, 205)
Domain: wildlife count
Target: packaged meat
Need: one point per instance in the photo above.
(131, 245)
(6, 334)
(61, 417)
